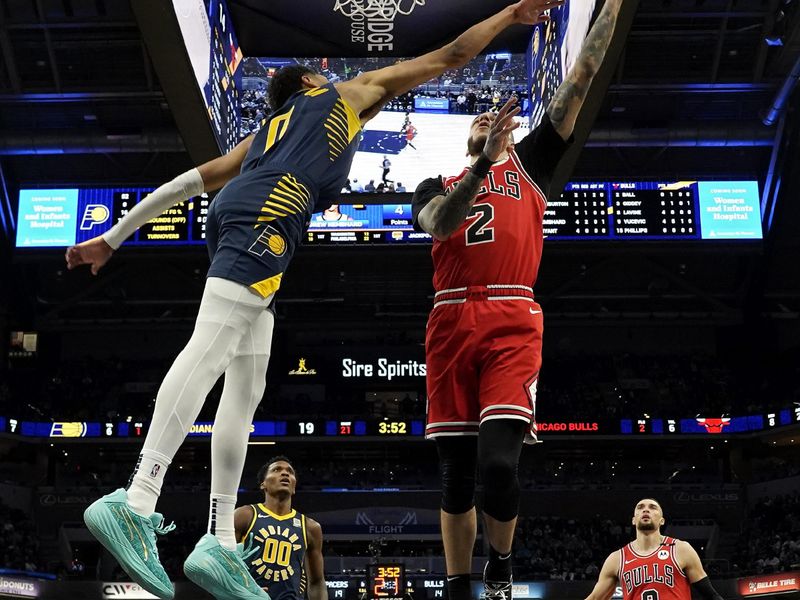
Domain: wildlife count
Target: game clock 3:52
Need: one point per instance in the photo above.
(386, 581)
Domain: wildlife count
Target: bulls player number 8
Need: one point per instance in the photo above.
(478, 232)
(650, 595)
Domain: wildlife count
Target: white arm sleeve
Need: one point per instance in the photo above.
(183, 187)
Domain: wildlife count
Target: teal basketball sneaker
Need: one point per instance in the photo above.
(131, 538)
(221, 572)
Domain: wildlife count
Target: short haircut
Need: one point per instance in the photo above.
(286, 81)
(262, 472)
(654, 500)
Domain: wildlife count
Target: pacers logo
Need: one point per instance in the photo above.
(68, 430)
(270, 241)
(278, 543)
(94, 214)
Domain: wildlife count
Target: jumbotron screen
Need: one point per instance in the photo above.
(421, 134)
(424, 132)
(622, 211)
(216, 57)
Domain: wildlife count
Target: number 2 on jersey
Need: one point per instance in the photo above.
(478, 232)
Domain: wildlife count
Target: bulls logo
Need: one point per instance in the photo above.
(714, 426)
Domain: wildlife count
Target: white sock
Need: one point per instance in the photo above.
(146, 481)
(220, 520)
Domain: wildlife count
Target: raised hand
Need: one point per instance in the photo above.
(531, 12)
(500, 131)
(94, 252)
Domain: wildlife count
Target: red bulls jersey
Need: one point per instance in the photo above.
(500, 242)
(655, 576)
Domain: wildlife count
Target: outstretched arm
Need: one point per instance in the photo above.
(367, 93)
(208, 177)
(445, 213)
(607, 581)
(570, 96)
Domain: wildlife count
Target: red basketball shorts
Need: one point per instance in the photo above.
(483, 354)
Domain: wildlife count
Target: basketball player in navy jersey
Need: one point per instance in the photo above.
(653, 566)
(285, 547)
(273, 181)
(484, 334)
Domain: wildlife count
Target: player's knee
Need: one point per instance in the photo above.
(457, 469)
(501, 487)
(498, 472)
(458, 493)
(501, 506)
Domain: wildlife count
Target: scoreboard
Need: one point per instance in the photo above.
(63, 217)
(211, 44)
(386, 581)
(612, 211)
(685, 210)
(354, 428)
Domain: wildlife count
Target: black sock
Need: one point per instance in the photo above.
(499, 568)
(458, 587)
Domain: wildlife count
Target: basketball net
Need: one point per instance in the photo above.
(376, 9)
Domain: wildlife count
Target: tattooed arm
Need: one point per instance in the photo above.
(566, 104)
(443, 214)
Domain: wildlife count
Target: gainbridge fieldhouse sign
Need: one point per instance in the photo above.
(775, 583)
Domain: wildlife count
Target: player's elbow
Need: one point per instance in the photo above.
(436, 229)
(440, 235)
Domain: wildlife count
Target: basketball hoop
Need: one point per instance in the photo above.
(385, 10)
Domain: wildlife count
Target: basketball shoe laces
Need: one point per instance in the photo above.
(160, 530)
(496, 590)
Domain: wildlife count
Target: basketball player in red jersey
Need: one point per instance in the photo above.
(484, 335)
(653, 566)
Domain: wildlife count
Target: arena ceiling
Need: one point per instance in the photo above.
(80, 102)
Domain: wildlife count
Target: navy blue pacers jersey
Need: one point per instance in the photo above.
(297, 165)
(279, 565)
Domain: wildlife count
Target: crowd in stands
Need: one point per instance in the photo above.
(484, 84)
(564, 549)
(629, 385)
(770, 542)
(19, 541)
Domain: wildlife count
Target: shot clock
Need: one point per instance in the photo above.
(386, 581)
